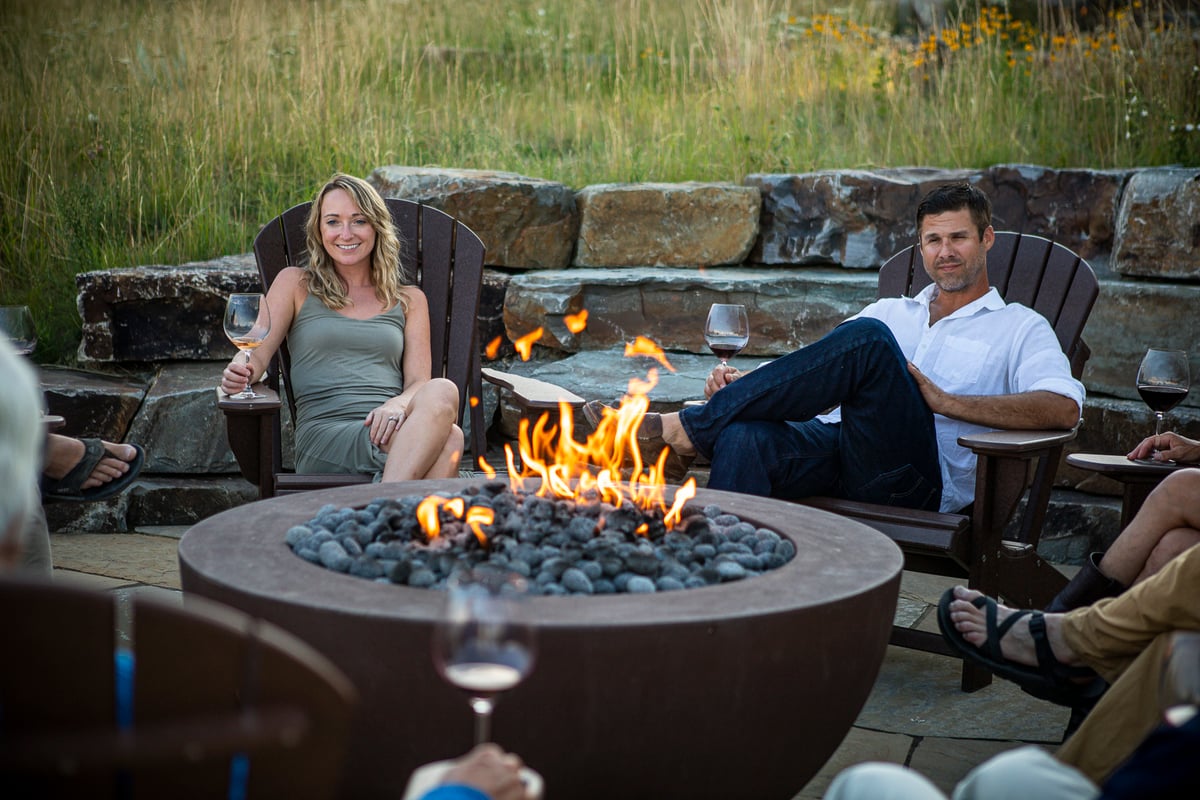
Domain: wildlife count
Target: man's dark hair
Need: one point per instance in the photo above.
(954, 197)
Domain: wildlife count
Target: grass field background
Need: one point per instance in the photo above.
(144, 132)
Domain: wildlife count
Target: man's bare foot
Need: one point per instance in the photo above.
(1017, 644)
(676, 436)
(63, 453)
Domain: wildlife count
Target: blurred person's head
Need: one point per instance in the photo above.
(21, 440)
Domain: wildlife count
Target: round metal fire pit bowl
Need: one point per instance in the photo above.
(738, 690)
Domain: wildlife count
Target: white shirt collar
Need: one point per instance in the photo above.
(990, 301)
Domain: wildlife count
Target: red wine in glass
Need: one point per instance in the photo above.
(1162, 399)
(1163, 380)
(726, 330)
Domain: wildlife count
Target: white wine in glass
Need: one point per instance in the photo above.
(727, 330)
(247, 323)
(16, 323)
(1163, 380)
(483, 643)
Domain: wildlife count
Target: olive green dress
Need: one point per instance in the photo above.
(342, 368)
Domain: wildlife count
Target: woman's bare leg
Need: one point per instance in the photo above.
(1167, 524)
(446, 465)
(421, 442)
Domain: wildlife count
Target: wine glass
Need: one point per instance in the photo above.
(1163, 381)
(483, 643)
(17, 324)
(247, 323)
(727, 330)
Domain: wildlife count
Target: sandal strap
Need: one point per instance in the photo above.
(995, 632)
(1041, 643)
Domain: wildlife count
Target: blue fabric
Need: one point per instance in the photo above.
(1163, 766)
(239, 776)
(123, 673)
(762, 438)
(454, 791)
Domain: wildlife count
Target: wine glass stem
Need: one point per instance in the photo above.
(483, 719)
(1158, 421)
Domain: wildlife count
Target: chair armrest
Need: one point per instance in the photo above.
(257, 406)
(531, 392)
(1015, 443)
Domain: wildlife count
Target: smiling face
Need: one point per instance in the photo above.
(954, 252)
(346, 233)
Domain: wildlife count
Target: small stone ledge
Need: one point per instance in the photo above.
(161, 313)
(524, 222)
(787, 307)
(666, 224)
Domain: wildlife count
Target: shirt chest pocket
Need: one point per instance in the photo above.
(960, 362)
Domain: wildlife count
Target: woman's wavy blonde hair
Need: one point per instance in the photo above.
(388, 275)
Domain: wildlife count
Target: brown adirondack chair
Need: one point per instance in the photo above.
(447, 258)
(210, 687)
(1061, 286)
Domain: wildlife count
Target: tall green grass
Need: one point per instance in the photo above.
(140, 132)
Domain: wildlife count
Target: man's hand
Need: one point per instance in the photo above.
(721, 376)
(490, 770)
(1169, 446)
(935, 398)
(1033, 410)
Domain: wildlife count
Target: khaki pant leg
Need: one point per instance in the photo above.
(1125, 715)
(1111, 633)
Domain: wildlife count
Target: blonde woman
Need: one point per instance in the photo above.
(358, 333)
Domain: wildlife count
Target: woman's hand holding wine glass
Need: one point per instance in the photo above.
(247, 323)
(483, 644)
(1163, 380)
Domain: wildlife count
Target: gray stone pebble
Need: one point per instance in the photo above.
(560, 547)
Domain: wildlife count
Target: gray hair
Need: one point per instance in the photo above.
(22, 435)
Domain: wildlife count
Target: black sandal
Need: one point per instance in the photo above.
(1050, 680)
(68, 486)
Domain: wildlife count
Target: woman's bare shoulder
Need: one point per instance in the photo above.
(414, 295)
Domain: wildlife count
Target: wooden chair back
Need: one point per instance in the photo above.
(446, 258)
(104, 695)
(1025, 269)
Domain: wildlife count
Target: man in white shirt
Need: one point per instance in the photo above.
(908, 377)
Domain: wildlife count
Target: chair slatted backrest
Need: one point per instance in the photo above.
(446, 258)
(204, 686)
(1025, 269)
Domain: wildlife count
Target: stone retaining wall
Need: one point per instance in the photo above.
(799, 250)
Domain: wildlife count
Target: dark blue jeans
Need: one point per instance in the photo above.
(762, 439)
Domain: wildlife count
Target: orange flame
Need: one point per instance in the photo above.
(524, 345)
(487, 469)
(429, 511)
(576, 322)
(493, 347)
(641, 346)
(474, 401)
(590, 471)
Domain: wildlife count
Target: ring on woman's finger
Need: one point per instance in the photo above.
(393, 419)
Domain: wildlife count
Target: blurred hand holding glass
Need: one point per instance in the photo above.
(483, 643)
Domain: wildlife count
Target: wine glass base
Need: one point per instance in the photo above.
(246, 394)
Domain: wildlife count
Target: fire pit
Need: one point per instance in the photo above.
(738, 690)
